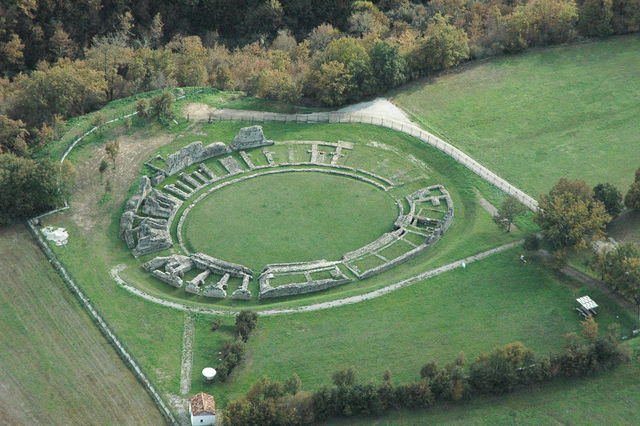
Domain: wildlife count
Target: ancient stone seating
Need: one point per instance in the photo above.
(171, 270)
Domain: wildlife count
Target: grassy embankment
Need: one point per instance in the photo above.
(568, 111)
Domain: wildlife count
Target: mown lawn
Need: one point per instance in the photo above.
(154, 333)
(289, 217)
(56, 366)
(569, 111)
(472, 230)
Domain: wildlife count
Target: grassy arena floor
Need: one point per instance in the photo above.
(289, 217)
(56, 366)
(568, 111)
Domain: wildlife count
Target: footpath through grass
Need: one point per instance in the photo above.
(56, 366)
(569, 111)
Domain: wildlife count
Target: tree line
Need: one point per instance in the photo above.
(58, 61)
(500, 371)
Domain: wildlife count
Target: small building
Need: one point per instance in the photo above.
(202, 409)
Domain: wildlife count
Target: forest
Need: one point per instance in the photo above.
(60, 59)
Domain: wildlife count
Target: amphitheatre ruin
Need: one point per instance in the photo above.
(158, 224)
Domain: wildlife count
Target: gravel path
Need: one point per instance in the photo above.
(115, 274)
(379, 107)
(187, 354)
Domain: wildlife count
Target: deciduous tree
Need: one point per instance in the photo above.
(509, 210)
(569, 215)
(610, 197)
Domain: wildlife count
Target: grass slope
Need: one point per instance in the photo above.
(569, 111)
(56, 366)
(289, 217)
(493, 302)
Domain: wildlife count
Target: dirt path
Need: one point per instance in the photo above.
(379, 107)
(492, 210)
(592, 282)
(187, 354)
(115, 274)
(91, 187)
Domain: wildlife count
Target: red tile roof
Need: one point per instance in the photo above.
(202, 403)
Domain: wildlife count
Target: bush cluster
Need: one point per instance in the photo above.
(234, 352)
(502, 370)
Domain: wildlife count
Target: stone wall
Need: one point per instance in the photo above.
(191, 154)
(301, 288)
(249, 137)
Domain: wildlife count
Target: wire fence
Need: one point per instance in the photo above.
(410, 129)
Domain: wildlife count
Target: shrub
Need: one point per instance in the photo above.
(232, 354)
(632, 199)
(143, 107)
(246, 321)
(531, 242)
(414, 395)
(501, 370)
(162, 105)
(215, 324)
(610, 197)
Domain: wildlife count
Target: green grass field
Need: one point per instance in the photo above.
(56, 366)
(490, 303)
(154, 334)
(568, 111)
(289, 217)
(552, 98)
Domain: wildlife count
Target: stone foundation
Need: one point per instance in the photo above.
(249, 137)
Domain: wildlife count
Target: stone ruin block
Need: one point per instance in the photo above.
(128, 238)
(215, 290)
(157, 178)
(161, 205)
(232, 166)
(191, 154)
(243, 292)
(188, 179)
(249, 137)
(172, 280)
(144, 188)
(205, 170)
(192, 288)
(126, 223)
(200, 278)
(153, 235)
(220, 267)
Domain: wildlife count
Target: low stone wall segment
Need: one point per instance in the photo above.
(102, 325)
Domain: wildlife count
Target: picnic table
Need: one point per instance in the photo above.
(586, 306)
